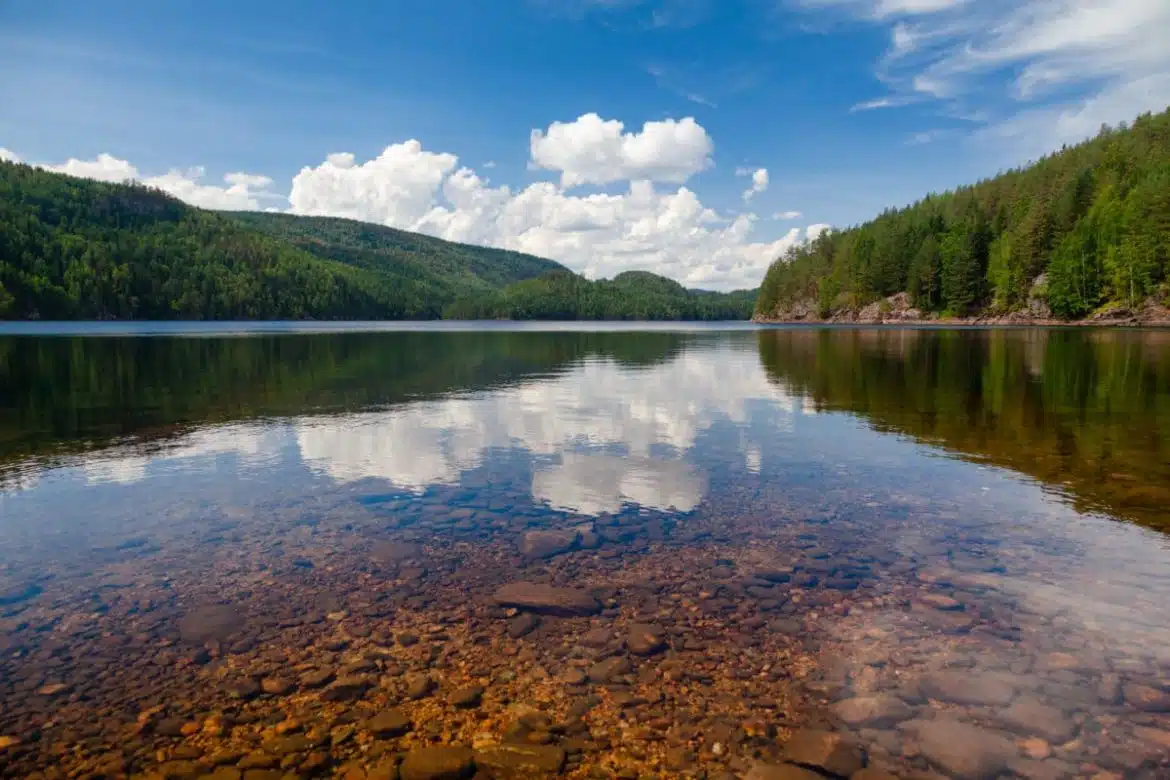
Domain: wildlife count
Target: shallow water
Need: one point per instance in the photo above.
(231, 552)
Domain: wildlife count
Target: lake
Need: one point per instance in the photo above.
(639, 552)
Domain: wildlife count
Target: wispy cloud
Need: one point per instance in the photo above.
(1058, 67)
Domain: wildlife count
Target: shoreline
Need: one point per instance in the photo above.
(972, 322)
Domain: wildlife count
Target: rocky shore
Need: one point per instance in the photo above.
(897, 310)
(456, 637)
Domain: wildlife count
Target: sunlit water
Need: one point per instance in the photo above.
(957, 528)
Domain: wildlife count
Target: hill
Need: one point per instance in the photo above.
(633, 295)
(1084, 232)
(79, 249)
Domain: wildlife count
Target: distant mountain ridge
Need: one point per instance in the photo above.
(75, 248)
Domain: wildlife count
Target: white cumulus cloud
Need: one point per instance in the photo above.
(592, 150)
(240, 191)
(8, 156)
(642, 226)
(759, 183)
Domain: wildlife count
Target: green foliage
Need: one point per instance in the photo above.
(1095, 217)
(78, 249)
(633, 295)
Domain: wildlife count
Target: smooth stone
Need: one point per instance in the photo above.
(467, 698)
(317, 678)
(276, 686)
(1145, 698)
(346, 689)
(645, 640)
(824, 750)
(781, 772)
(390, 723)
(419, 686)
(608, 669)
(596, 638)
(522, 625)
(966, 688)
(547, 599)
(282, 746)
(872, 773)
(520, 761)
(939, 601)
(965, 751)
(395, 552)
(438, 762)
(774, 575)
(874, 711)
(212, 621)
(1031, 716)
(546, 544)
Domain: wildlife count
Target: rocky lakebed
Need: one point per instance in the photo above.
(372, 638)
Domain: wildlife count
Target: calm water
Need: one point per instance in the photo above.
(235, 552)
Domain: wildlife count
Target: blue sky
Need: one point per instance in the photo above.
(848, 105)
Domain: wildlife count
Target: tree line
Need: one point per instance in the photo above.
(1081, 230)
(80, 249)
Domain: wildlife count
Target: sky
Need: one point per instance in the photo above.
(698, 139)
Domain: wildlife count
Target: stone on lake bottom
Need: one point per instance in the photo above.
(546, 544)
(438, 762)
(346, 689)
(1028, 716)
(966, 752)
(1145, 698)
(781, 772)
(391, 723)
(608, 669)
(210, 622)
(520, 761)
(522, 625)
(547, 599)
(825, 751)
(873, 711)
(467, 698)
(645, 640)
(872, 773)
(968, 688)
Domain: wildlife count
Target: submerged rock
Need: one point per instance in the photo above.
(825, 751)
(1028, 716)
(873, 711)
(966, 752)
(967, 688)
(781, 772)
(645, 639)
(211, 622)
(546, 544)
(520, 761)
(547, 599)
(439, 762)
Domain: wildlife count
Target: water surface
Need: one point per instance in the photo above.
(914, 539)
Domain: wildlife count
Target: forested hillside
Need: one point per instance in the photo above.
(1078, 233)
(633, 295)
(79, 249)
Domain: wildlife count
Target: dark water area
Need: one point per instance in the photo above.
(788, 553)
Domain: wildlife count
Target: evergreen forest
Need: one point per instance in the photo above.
(77, 249)
(1073, 235)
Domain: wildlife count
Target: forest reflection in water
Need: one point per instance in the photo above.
(904, 537)
(1084, 411)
